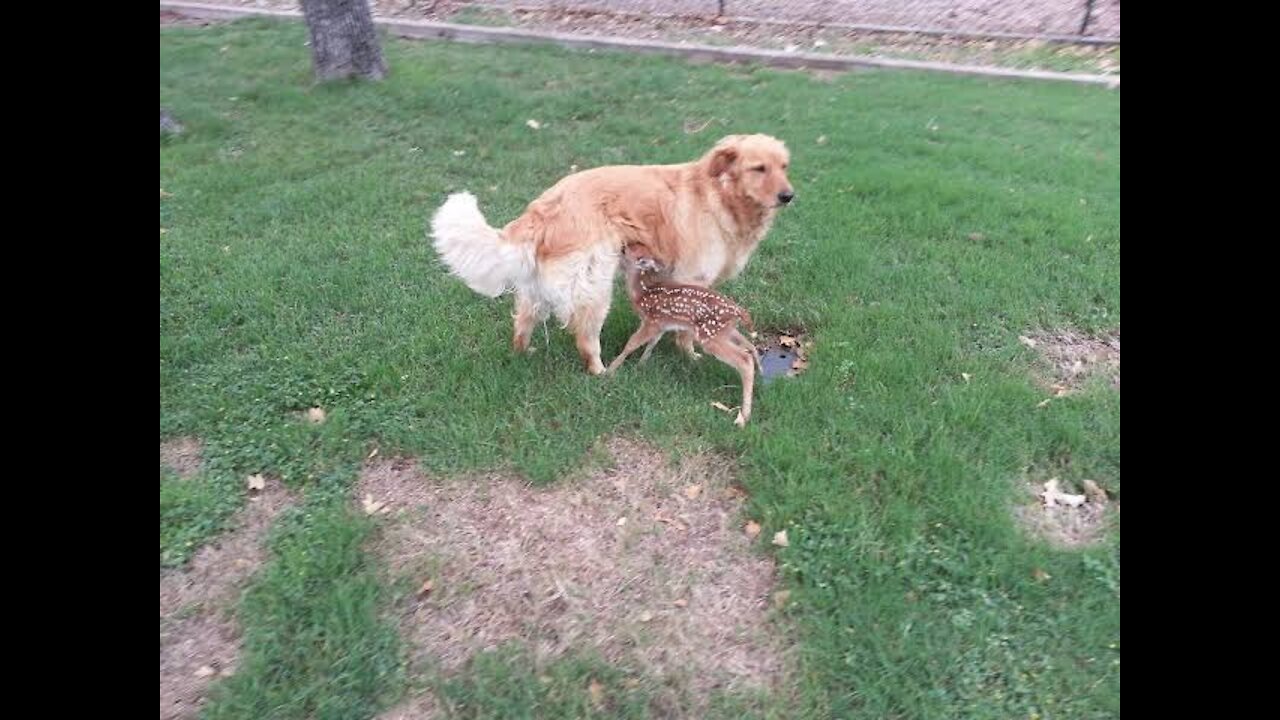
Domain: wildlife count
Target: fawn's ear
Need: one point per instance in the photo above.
(646, 264)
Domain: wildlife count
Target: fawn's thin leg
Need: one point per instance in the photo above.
(652, 344)
(729, 352)
(684, 340)
(647, 333)
(737, 338)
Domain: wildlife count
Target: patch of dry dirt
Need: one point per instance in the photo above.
(1073, 357)
(182, 455)
(199, 638)
(1062, 525)
(643, 562)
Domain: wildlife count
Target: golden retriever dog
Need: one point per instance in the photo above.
(702, 220)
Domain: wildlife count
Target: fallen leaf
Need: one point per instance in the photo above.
(1040, 575)
(819, 43)
(459, 153)
(373, 454)
(822, 139)
(780, 598)
(680, 602)
(692, 129)
(752, 529)
(1053, 496)
(780, 538)
(164, 194)
(426, 588)
(664, 519)
(205, 671)
(786, 341)
(622, 521)
(1096, 494)
(721, 407)
(646, 616)
(977, 237)
(1044, 403)
(371, 507)
(257, 482)
(1027, 341)
(693, 491)
(596, 691)
(163, 231)
(533, 124)
(316, 415)
(1059, 390)
(967, 377)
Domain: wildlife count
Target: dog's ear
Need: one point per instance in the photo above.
(723, 155)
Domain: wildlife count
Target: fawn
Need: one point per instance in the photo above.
(710, 316)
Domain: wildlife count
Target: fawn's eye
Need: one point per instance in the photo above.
(759, 168)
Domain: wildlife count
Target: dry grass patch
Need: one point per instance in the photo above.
(644, 562)
(199, 638)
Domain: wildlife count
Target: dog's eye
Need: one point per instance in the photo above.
(759, 168)
(786, 165)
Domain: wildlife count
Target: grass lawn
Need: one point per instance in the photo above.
(938, 219)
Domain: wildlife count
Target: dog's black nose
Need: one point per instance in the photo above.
(785, 196)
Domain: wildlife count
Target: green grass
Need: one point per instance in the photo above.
(294, 272)
(192, 511)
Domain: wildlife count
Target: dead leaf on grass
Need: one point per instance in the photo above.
(371, 507)
(596, 690)
(1095, 493)
(1053, 496)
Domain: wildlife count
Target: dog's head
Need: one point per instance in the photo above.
(755, 166)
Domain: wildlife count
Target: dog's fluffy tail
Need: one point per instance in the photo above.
(476, 252)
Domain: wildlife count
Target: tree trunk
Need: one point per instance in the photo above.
(344, 42)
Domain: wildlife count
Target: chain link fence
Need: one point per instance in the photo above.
(1053, 18)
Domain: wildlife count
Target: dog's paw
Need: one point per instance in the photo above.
(741, 421)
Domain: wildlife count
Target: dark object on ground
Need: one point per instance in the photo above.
(169, 125)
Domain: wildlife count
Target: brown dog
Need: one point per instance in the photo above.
(702, 220)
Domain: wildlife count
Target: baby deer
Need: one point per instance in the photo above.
(709, 316)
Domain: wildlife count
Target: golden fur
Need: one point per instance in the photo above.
(701, 219)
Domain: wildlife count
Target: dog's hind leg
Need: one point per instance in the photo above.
(586, 323)
(527, 316)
